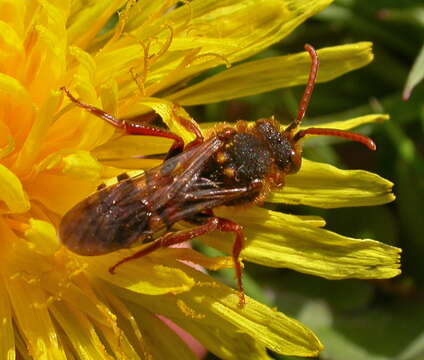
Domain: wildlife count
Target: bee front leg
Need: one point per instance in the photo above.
(139, 125)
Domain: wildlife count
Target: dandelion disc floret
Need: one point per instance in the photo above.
(55, 304)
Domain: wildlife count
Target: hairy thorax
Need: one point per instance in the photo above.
(255, 155)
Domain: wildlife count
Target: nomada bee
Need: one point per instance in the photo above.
(232, 165)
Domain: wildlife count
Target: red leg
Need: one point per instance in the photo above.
(226, 225)
(211, 224)
(95, 111)
(170, 239)
(190, 126)
(138, 126)
(144, 118)
(131, 128)
(146, 130)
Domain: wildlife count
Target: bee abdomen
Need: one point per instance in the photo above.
(95, 226)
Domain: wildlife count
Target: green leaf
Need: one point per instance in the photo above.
(350, 321)
(416, 74)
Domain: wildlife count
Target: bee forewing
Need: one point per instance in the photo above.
(133, 209)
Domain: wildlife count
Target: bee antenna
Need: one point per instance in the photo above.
(306, 98)
(339, 133)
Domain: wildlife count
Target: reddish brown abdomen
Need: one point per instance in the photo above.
(108, 220)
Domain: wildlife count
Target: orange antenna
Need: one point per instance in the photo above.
(303, 106)
(338, 133)
(306, 98)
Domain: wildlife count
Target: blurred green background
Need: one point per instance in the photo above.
(357, 319)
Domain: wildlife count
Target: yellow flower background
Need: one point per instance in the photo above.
(56, 305)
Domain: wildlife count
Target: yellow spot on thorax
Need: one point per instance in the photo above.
(230, 172)
(221, 157)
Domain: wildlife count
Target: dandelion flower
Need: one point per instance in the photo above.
(57, 305)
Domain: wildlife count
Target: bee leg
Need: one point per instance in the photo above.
(137, 125)
(171, 238)
(209, 224)
(225, 225)
(132, 128)
(189, 125)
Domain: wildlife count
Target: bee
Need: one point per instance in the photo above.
(233, 165)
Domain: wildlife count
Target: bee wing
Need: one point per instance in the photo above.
(183, 170)
(159, 185)
(190, 204)
(118, 215)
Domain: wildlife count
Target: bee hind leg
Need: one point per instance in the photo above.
(171, 238)
(208, 224)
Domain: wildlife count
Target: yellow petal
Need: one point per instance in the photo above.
(126, 151)
(257, 215)
(33, 319)
(143, 276)
(325, 186)
(340, 125)
(161, 341)
(86, 66)
(351, 123)
(12, 52)
(87, 22)
(7, 341)
(226, 341)
(217, 307)
(119, 343)
(196, 258)
(109, 96)
(93, 130)
(54, 14)
(287, 242)
(9, 148)
(34, 141)
(216, 28)
(46, 52)
(9, 238)
(168, 113)
(13, 13)
(48, 282)
(82, 164)
(273, 73)
(12, 193)
(241, 22)
(15, 98)
(80, 332)
(59, 192)
(72, 286)
(140, 12)
(128, 323)
(43, 235)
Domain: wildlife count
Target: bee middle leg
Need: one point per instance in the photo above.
(208, 224)
(225, 225)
